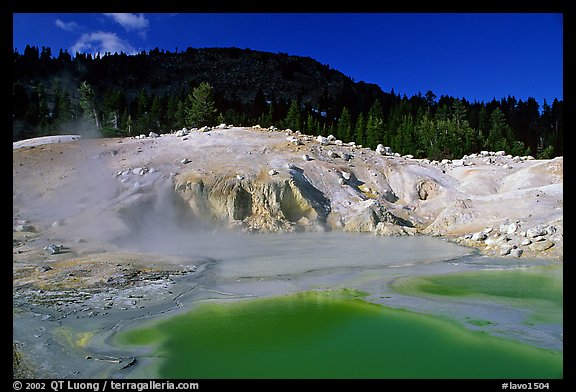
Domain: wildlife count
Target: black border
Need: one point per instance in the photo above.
(565, 7)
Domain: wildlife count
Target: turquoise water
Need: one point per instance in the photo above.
(327, 334)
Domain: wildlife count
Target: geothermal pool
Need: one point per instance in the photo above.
(338, 305)
(323, 335)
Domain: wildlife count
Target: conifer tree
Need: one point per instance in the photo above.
(200, 109)
(374, 125)
(345, 126)
(360, 130)
(293, 119)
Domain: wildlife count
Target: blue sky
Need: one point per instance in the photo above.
(477, 56)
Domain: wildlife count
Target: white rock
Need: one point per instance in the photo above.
(272, 172)
(221, 126)
(322, 140)
(481, 236)
(346, 175)
(331, 138)
(516, 252)
(550, 229)
(306, 157)
(525, 242)
(185, 161)
(383, 150)
(500, 153)
(534, 232)
(294, 140)
(153, 134)
(506, 248)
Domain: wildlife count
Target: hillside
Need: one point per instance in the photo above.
(125, 95)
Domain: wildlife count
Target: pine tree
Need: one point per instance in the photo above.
(200, 108)
(344, 132)
(497, 134)
(293, 119)
(374, 125)
(360, 130)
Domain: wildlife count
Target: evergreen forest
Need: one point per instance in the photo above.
(126, 95)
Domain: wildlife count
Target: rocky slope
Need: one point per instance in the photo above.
(265, 180)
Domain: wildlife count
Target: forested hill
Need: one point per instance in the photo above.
(120, 94)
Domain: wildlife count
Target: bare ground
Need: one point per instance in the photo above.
(99, 201)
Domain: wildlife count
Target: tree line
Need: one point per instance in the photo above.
(421, 125)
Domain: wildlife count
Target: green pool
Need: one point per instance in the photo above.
(537, 289)
(326, 334)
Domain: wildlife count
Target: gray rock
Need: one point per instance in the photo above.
(506, 248)
(54, 249)
(516, 252)
(512, 228)
(481, 236)
(24, 228)
(534, 232)
(494, 240)
(541, 245)
(550, 229)
(294, 140)
(43, 268)
(383, 150)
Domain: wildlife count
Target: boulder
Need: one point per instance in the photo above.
(153, 135)
(383, 150)
(506, 248)
(516, 252)
(322, 140)
(54, 249)
(541, 245)
(481, 236)
(534, 232)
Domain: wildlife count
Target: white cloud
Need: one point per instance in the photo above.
(131, 22)
(68, 26)
(101, 42)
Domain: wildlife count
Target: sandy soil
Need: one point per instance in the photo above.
(110, 210)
